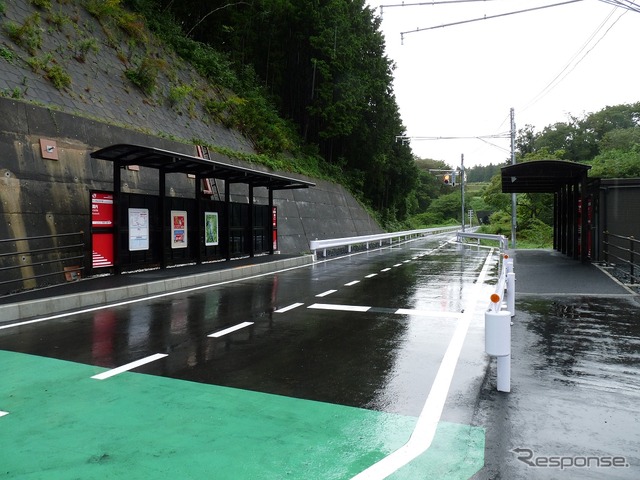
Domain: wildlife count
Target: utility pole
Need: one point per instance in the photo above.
(513, 195)
(462, 186)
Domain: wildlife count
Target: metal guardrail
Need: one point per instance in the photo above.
(365, 240)
(620, 249)
(27, 258)
(501, 239)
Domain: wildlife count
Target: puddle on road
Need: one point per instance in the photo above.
(588, 341)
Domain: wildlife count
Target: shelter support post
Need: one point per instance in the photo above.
(164, 218)
(117, 241)
(251, 226)
(227, 205)
(270, 224)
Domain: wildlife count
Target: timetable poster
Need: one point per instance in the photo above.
(138, 229)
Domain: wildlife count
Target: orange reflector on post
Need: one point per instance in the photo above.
(495, 298)
(506, 256)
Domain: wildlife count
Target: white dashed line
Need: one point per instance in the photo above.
(350, 284)
(290, 307)
(229, 330)
(2, 414)
(395, 311)
(129, 366)
(385, 269)
(398, 265)
(324, 294)
(371, 275)
(345, 308)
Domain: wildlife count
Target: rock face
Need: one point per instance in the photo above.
(64, 93)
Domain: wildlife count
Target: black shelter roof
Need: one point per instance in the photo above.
(542, 176)
(174, 162)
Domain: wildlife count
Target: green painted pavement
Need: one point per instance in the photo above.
(64, 425)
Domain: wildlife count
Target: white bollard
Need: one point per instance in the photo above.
(497, 341)
(511, 293)
(504, 373)
(509, 264)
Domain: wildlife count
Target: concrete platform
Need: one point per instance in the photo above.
(94, 291)
(547, 272)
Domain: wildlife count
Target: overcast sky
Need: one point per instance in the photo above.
(462, 80)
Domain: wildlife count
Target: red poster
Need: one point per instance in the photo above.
(274, 225)
(101, 209)
(102, 250)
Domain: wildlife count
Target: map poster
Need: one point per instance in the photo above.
(178, 229)
(210, 229)
(138, 229)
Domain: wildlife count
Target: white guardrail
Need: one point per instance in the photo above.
(501, 239)
(366, 240)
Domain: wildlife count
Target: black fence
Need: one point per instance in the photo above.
(39, 261)
(621, 252)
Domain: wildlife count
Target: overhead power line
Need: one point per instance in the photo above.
(577, 58)
(532, 9)
(628, 4)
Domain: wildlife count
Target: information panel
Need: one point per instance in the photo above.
(101, 209)
(138, 229)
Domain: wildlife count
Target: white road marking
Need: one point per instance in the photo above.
(425, 429)
(324, 294)
(427, 313)
(351, 283)
(398, 265)
(290, 307)
(399, 311)
(406, 261)
(345, 308)
(371, 275)
(385, 269)
(129, 366)
(229, 330)
(2, 414)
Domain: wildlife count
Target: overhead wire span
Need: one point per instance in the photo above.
(630, 5)
(571, 66)
(486, 17)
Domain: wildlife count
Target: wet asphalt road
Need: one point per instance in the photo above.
(376, 359)
(572, 412)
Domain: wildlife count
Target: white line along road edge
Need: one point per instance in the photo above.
(427, 423)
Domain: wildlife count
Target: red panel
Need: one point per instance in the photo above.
(102, 249)
(101, 209)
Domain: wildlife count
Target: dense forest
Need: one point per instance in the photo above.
(321, 66)
(309, 81)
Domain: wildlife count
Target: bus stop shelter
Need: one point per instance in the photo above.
(168, 162)
(567, 181)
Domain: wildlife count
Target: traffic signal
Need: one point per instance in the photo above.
(447, 179)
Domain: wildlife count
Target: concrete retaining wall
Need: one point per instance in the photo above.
(100, 106)
(40, 196)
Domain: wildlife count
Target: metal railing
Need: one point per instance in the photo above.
(366, 240)
(501, 239)
(623, 250)
(32, 259)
